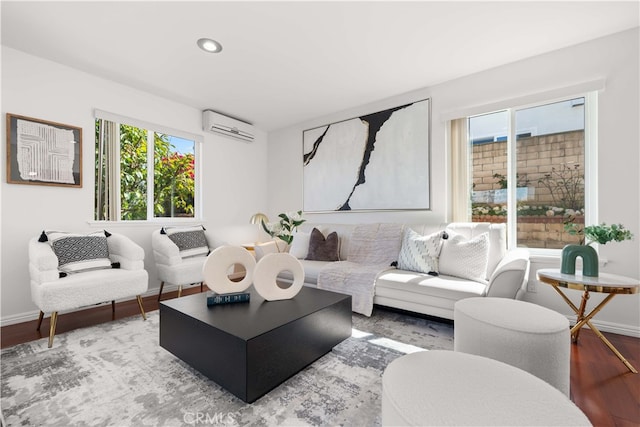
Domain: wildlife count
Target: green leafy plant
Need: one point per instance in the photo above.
(174, 184)
(601, 234)
(173, 176)
(284, 228)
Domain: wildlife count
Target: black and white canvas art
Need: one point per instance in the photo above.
(378, 161)
(40, 152)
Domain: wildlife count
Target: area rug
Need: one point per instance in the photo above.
(116, 374)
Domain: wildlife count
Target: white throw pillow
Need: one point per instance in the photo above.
(466, 259)
(420, 253)
(300, 244)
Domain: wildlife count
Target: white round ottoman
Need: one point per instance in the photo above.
(446, 388)
(519, 333)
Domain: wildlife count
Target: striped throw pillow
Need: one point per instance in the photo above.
(420, 253)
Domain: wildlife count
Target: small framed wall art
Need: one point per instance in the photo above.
(40, 152)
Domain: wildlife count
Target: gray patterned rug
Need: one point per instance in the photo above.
(116, 374)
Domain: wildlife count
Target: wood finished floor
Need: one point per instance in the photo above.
(600, 384)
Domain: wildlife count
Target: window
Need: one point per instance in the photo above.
(527, 167)
(142, 173)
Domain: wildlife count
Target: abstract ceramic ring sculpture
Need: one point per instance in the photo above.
(216, 269)
(267, 271)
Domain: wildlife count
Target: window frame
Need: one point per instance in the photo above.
(151, 129)
(590, 157)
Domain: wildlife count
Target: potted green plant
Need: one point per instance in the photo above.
(601, 234)
(284, 228)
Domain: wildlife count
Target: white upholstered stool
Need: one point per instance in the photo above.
(519, 333)
(446, 388)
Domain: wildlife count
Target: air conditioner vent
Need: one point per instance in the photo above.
(227, 126)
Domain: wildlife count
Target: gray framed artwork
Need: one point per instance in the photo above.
(41, 152)
(379, 161)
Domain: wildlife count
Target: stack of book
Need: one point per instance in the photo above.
(218, 299)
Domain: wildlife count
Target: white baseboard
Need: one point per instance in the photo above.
(33, 315)
(19, 318)
(614, 328)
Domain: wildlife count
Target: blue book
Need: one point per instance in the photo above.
(218, 299)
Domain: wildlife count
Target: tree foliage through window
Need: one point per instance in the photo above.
(172, 180)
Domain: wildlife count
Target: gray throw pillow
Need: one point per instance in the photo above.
(191, 241)
(321, 248)
(79, 252)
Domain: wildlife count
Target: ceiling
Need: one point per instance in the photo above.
(283, 63)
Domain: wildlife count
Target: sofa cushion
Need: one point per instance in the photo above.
(300, 244)
(321, 248)
(187, 272)
(343, 230)
(390, 283)
(190, 240)
(420, 253)
(375, 244)
(91, 287)
(497, 239)
(79, 252)
(464, 258)
(311, 271)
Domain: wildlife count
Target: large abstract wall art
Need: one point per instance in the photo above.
(42, 152)
(378, 161)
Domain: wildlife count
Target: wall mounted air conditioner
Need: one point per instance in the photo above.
(227, 126)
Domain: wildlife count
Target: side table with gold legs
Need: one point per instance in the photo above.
(610, 284)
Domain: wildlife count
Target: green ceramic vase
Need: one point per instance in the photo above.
(589, 260)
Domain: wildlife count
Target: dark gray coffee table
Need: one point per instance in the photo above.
(251, 348)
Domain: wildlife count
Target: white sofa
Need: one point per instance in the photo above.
(507, 271)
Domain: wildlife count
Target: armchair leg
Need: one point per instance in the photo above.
(113, 310)
(52, 327)
(160, 293)
(201, 286)
(40, 317)
(179, 291)
(139, 298)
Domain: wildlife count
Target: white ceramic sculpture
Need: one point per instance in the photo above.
(267, 271)
(216, 269)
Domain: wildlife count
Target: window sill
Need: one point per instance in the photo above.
(145, 223)
(554, 256)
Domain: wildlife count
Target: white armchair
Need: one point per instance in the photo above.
(53, 290)
(175, 268)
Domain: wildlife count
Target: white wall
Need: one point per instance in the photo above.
(232, 171)
(614, 58)
(235, 172)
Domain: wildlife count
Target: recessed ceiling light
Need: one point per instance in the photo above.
(209, 45)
